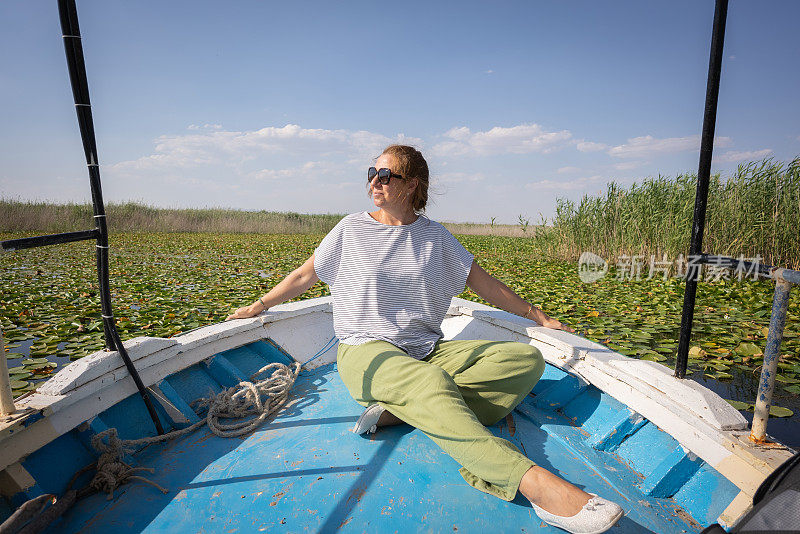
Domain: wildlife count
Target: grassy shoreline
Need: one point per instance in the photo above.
(130, 217)
(29, 217)
(753, 212)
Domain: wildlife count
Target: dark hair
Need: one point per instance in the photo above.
(411, 164)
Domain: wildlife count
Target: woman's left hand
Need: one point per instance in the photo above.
(555, 324)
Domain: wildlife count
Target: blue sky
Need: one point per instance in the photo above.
(282, 105)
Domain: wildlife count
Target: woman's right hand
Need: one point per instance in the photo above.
(246, 311)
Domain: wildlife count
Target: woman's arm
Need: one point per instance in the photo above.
(498, 294)
(296, 283)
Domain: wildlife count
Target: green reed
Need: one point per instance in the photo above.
(753, 212)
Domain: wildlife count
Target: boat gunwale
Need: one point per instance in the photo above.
(42, 417)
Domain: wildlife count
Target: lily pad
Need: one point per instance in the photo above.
(34, 361)
(787, 379)
(739, 405)
(697, 352)
(21, 375)
(654, 357)
(748, 349)
(780, 411)
(163, 284)
(774, 411)
(718, 375)
(41, 366)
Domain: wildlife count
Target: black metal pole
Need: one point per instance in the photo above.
(80, 92)
(47, 240)
(703, 176)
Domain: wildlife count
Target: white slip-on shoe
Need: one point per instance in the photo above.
(596, 516)
(368, 422)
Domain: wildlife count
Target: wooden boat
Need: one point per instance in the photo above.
(672, 453)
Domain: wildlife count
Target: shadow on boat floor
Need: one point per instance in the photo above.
(305, 471)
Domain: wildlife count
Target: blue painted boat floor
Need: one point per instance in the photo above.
(305, 471)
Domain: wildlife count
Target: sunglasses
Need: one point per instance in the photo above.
(384, 175)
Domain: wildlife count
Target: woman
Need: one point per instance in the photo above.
(392, 274)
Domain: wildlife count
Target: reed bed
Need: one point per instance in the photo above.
(505, 230)
(755, 212)
(20, 216)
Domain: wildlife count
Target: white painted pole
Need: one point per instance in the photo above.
(6, 399)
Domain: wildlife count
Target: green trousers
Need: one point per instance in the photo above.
(450, 395)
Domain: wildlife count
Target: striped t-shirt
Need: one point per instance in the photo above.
(391, 283)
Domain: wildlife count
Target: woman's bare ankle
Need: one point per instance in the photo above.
(389, 419)
(552, 493)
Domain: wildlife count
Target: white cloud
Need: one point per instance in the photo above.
(206, 126)
(590, 146)
(293, 173)
(563, 185)
(628, 165)
(520, 139)
(735, 156)
(284, 168)
(647, 146)
(458, 133)
(231, 148)
(490, 71)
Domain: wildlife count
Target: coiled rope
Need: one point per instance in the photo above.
(255, 400)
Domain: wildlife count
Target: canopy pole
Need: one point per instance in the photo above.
(703, 176)
(80, 92)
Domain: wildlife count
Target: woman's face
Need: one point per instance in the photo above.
(398, 192)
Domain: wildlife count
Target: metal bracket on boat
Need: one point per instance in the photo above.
(173, 411)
